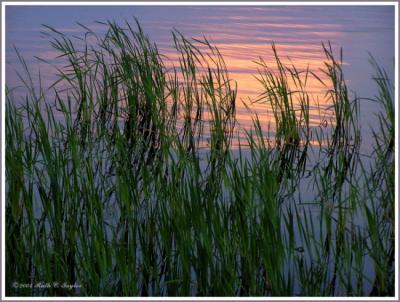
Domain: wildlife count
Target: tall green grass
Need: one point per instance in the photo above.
(125, 181)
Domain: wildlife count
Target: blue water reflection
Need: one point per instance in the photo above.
(242, 33)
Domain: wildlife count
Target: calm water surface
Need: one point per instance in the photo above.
(243, 34)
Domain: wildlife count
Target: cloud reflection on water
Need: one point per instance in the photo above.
(242, 34)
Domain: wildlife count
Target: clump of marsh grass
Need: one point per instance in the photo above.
(124, 181)
(291, 127)
(380, 186)
(285, 93)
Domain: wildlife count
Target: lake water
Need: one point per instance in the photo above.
(242, 33)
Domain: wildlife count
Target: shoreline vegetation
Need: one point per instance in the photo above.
(126, 184)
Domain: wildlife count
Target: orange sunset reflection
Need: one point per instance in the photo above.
(241, 61)
(242, 48)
